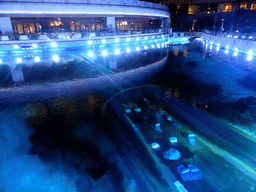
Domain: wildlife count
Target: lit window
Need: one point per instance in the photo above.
(253, 6)
(228, 8)
(243, 5)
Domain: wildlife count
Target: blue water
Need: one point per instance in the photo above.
(62, 144)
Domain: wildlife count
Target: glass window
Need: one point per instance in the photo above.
(26, 28)
(77, 26)
(72, 25)
(32, 27)
(228, 8)
(253, 6)
(243, 5)
(14, 28)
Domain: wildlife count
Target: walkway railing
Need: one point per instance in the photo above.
(75, 35)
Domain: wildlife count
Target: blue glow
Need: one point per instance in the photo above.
(145, 47)
(34, 45)
(236, 37)
(128, 39)
(137, 38)
(152, 46)
(53, 44)
(90, 54)
(89, 42)
(18, 60)
(103, 41)
(226, 51)
(104, 53)
(211, 42)
(16, 47)
(211, 47)
(236, 49)
(249, 58)
(137, 48)
(55, 58)
(0, 61)
(155, 145)
(235, 54)
(116, 40)
(68, 37)
(117, 51)
(243, 37)
(37, 59)
(227, 47)
(218, 48)
(158, 45)
(250, 52)
(250, 37)
(218, 44)
(128, 50)
(162, 44)
(145, 37)
(152, 37)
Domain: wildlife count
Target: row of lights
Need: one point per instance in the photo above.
(117, 51)
(91, 54)
(249, 53)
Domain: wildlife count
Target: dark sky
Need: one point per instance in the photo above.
(194, 1)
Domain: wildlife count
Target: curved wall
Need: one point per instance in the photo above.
(79, 7)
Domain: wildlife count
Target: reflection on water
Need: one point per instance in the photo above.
(62, 144)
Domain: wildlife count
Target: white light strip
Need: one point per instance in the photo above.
(79, 13)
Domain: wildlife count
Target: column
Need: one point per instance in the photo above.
(113, 63)
(111, 23)
(6, 25)
(17, 74)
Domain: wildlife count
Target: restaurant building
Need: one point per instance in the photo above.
(37, 16)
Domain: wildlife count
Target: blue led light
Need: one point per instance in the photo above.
(18, 60)
(116, 40)
(128, 50)
(145, 47)
(37, 59)
(137, 48)
(250, 52)
(211, 42)
(226, 51)
(53, 44)
(236, 49)
(34, 45)
(218, 48)
(137, 38)
(104, 53)
(250, 37)
(103, 41)
(128, 39)
(235, 54)
(145, 37)
(152, 37)
(55, 58)
(211, 47)
(249, 58)
(158, 45)
(90, 54)
(218, 44)
(89, 42)
(1, 61)
(152, 46)
(227, 47)
(16, 47)
(117, 51)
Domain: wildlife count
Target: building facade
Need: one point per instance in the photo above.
(36, 16)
